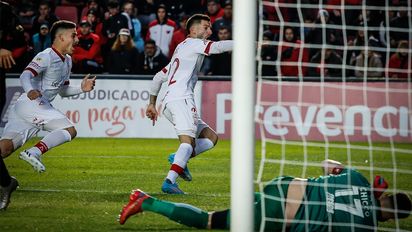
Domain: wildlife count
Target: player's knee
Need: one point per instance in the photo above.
(6, 147)
(72, 131)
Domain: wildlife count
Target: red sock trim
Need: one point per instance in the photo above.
(42, 147)
(176, 168)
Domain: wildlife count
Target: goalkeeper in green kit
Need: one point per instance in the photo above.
(342, 200)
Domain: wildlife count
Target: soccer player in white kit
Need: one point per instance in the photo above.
(179, 106)
(46, 76)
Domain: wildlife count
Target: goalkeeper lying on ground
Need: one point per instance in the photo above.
(342, 200)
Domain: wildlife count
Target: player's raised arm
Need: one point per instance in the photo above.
(157, 82)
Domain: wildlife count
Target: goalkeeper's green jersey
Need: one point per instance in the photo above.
(341, 202)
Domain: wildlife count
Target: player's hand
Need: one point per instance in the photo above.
(33, 94)
(88, 84)
(6, 59)
(332, 167)
(151, 113)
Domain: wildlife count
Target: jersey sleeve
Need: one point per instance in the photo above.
(201, 46)
(39, 64)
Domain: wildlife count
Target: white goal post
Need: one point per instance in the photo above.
(243, 103)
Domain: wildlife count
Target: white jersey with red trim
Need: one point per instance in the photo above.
(51, 71)
(182, 70)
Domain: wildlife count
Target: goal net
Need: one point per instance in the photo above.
(334, 82)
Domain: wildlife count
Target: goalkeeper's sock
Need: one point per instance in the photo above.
(202, 145)
(182, 213)
(53, 139)
(4, 174)
(179, 163)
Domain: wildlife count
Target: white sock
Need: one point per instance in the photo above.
(53, 139)
(202, 145)
(182, 155)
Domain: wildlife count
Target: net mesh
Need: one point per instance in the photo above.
(334, 82)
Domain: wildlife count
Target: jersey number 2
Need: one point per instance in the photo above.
(177, 62)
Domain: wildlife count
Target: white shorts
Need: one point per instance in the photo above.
(27, 117)
(184, 117)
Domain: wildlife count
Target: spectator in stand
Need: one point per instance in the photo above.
(113, 24)
(221, 64)
(214, 10)
(293, 53)
(399, 67)
(331, 57)
(130, 11)
(45, 15)
(161, 30)
(26, 12)
(372, 60)
(151, 60)
(147, 13)
(95, 21)
(42, 39)
(179, 35)
(96, 6)
(86, 55)
(224, 21)
(268, 53)
(400, 22)
(123, 55)
(315, 35)
(359, 41)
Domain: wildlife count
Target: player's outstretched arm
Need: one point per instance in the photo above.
(220, 46)
(332, 167)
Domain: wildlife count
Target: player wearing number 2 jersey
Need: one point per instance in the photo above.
(341, 201)
(179, 106)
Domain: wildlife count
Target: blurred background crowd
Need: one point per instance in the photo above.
(139, 36)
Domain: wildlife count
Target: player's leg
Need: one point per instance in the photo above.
(206, 140)
(180, 114)
(8, 185)
(50, 119)
(182, 213)
(2, 89)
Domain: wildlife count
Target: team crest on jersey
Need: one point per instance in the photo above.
(38, 59)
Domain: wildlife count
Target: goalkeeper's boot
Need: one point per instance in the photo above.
(33, 160)
(5, 193)
(185, 174)
(170, 188)
(134, 206)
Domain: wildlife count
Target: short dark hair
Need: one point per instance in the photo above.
(401, 204)
(150, 41)
(195, 19)
(60, 25)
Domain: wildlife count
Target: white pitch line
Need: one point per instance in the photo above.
(113, 192)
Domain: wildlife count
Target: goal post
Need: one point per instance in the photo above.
(243, 104)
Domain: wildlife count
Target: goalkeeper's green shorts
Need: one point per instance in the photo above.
(275, 194)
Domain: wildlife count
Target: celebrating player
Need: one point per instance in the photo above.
(179, 106)
(343, 200)
(46, 76)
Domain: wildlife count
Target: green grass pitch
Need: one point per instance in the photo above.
(87, 181)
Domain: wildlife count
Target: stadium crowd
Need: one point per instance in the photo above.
(139, 36)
